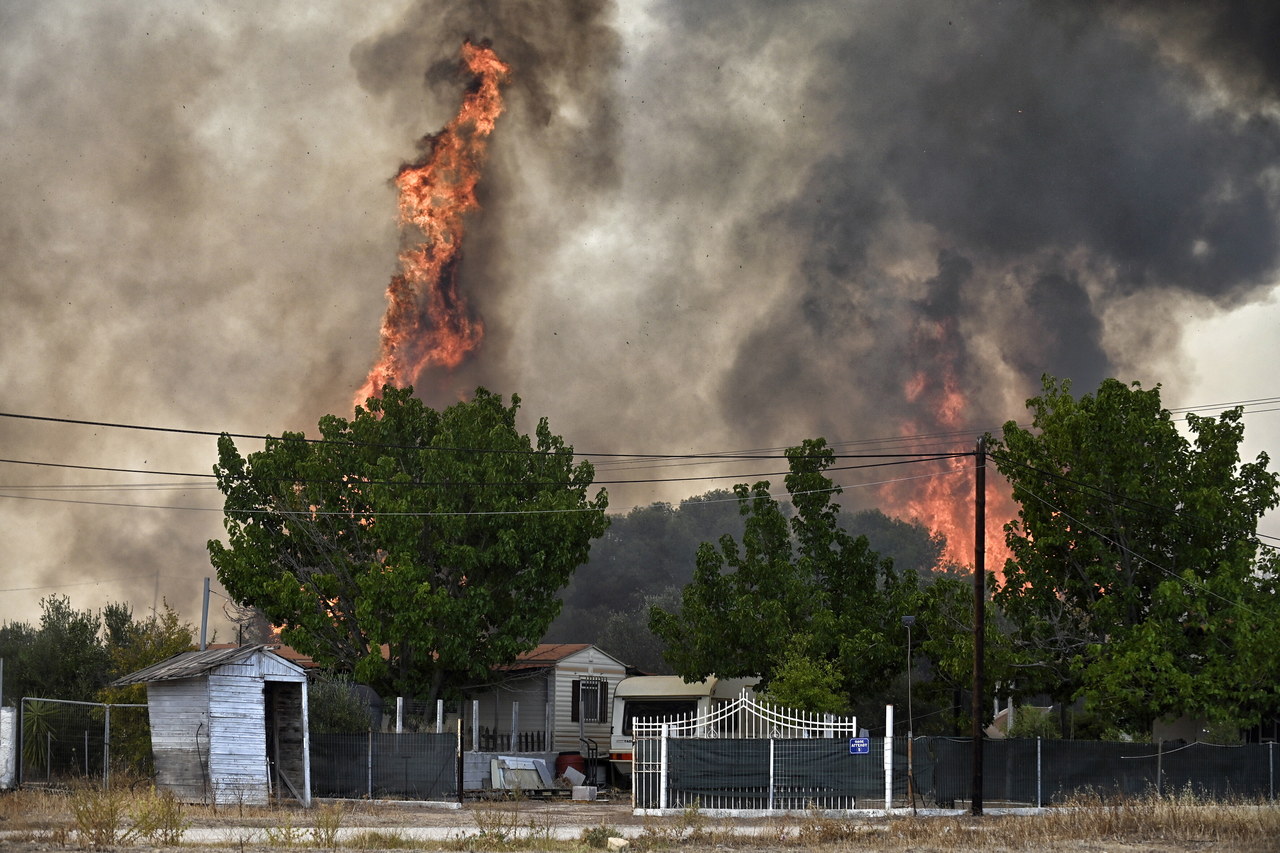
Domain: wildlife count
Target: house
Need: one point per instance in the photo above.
(228, 725)
(556, 698)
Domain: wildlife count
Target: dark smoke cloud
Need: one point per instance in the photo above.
(706, 225)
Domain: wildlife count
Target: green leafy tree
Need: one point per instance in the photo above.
(789, 577)
(414, 548)
(627, 637)
(805, 682)
(133, 645)
(336, 706)
(64, 657)
(1135, 578)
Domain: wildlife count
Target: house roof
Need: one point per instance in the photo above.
(544, 656)
(192, 664)
(289, 653)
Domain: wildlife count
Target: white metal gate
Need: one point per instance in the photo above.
(750, 756)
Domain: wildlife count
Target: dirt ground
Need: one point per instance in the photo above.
(561, 824)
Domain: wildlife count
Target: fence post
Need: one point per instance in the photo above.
(439, 716)
(1039, 776)
(888, 758)
(399, 714)
(475, 725)
(1160, 767)
(771, 769)
(1271, 764)
(106, 749)
(368, 757)
(662, 769)
(515, 724)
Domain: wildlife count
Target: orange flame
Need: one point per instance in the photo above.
(428, 322)
(945, 502)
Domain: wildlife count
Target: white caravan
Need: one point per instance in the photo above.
(650, 696)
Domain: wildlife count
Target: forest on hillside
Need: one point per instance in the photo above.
(647, 556)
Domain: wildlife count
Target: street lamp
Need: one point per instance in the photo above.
(907, 622)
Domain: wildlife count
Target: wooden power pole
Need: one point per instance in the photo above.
(979, 616)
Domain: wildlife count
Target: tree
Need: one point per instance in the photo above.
(1135, 578)
(414, 548)
(803, 577)
(647, 552)
(63, 658)
(806, 682)
(133, 645)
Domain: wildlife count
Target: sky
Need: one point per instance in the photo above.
(704, 227)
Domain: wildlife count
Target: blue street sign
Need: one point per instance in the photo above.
(859, 746)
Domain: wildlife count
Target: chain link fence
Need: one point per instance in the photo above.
(1044, 772)
(791, 774)
(62, 741)
(411, 765)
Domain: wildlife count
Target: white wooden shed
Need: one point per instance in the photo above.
(229, 725)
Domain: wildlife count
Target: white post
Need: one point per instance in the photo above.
(888, 757)
(515, 725)
(439, 716)
(771, 772)
(662, 770)
(399, 714)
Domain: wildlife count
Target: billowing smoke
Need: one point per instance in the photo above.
(703, 226)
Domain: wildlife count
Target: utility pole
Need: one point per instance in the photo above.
(204, 616)
(979, 616)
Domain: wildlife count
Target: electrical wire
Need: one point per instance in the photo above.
(1115, 544)
(775, 495)
(898, 459)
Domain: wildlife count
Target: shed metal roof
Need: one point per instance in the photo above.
(191, 664)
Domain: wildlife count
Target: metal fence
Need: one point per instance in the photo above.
(411, 765)
(746, 755)
(62, 741)
(675, 770)
(1043, 772)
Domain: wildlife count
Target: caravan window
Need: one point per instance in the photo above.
(648, 709)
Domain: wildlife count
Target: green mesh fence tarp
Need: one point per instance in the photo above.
(419, 766)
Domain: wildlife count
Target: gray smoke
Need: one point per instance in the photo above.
(706, 226)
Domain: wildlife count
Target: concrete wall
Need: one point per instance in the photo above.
(8, 748)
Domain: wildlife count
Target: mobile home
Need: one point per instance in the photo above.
(650, 696)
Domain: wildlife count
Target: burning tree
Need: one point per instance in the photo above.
(1137, 580)
(416, 549)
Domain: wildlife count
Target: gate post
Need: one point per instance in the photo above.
(772, 764)
(888, 758)
(662, 769)
(1039, 782)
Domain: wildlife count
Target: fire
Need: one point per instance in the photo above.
(428, 322)
(945, 502)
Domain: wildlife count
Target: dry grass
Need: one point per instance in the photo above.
(88, 818)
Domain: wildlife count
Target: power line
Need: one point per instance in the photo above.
(1120, 546)
(624, 457)
(895, 459)
(1126, 502)
(453, 513)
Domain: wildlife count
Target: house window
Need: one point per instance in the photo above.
(590, 700)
